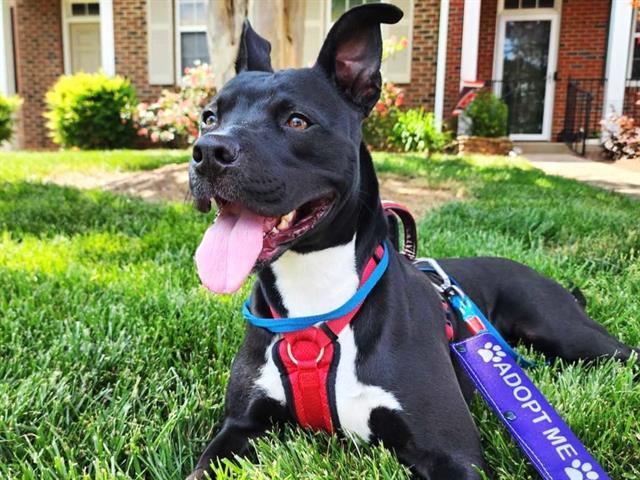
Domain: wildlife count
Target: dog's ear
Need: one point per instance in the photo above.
(352, 52)
(254, 53)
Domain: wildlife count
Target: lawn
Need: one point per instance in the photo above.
(16, 166)
(113, 361)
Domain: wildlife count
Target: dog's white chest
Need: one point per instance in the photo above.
(315, 283)
(354, 400)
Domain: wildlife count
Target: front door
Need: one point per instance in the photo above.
(527, 51)
(85, 47)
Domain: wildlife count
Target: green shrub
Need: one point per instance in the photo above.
(8, 107)
(415, 131)
(91, 111)
(488, 115)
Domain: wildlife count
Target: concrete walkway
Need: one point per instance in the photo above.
(604, 175)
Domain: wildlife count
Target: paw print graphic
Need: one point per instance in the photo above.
(491, 353)
(580, 471)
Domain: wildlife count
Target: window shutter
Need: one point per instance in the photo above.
(397, 68)
(315, 22)
(160, 61)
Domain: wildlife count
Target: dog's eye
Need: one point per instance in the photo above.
(297, 121)
(209, 119)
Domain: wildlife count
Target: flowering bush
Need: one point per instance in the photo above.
(377, 128)
(174, 119)
(622, 137)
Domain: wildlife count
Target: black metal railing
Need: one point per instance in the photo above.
(577, 117)
(596, 89)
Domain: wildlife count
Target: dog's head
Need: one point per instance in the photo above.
(279, 151)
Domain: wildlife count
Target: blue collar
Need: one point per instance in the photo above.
(293, 324)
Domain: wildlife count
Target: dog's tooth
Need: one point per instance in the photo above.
(284, 224)
(289, 216)
(274, 230)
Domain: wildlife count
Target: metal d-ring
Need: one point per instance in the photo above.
(295, 361)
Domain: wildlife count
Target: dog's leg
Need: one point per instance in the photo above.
(528, 307)
(433, 449)
(249, 411)
(232, 439)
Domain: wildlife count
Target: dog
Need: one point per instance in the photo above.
(282, 155)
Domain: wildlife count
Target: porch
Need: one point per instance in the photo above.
(559, 68)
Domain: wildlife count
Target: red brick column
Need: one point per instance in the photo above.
(421, 91)
(582, 52)
(130, 29)
(486, 45)
(454, 53)
(38, 31)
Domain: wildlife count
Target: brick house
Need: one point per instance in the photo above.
(557, 63)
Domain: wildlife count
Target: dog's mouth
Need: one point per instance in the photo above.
(241, 238)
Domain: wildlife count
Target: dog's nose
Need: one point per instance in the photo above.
(214, 152)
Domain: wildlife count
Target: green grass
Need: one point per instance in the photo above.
(32, 166)
(113, 361)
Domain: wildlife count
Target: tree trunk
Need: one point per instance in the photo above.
(282, 23)
(224, 27)
(279, 21)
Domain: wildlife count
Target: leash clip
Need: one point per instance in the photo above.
(447, 287)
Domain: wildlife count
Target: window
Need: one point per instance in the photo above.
(396, 68)
(81, 36)
(634, 57)
(517, 4)
(192, 32)
(84, 9)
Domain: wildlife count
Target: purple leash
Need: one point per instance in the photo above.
(543, 436)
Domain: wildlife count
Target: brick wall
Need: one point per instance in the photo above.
(486, 43)
(40, 63)
(454, 53)
(421, 91)
(130, 30)
(582, 52)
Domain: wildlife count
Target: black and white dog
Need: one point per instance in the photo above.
(281, 154)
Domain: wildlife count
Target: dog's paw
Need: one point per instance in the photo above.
(199, 474)
(580, 471)
(491, 353)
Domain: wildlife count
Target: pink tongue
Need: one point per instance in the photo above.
(229, 250)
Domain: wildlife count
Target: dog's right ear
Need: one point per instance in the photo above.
(254, 53)
(352, 53)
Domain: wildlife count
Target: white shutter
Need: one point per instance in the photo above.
(315, 28)
(397, 68)
(160, 60)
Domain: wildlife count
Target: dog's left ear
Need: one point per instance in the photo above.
(352, 53)
(254, 53)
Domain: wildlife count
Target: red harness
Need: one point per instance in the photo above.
(306, 359)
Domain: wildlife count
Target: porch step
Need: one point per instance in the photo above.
(542, 147)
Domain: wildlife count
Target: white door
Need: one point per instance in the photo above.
(525, 67)
(85, 47)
